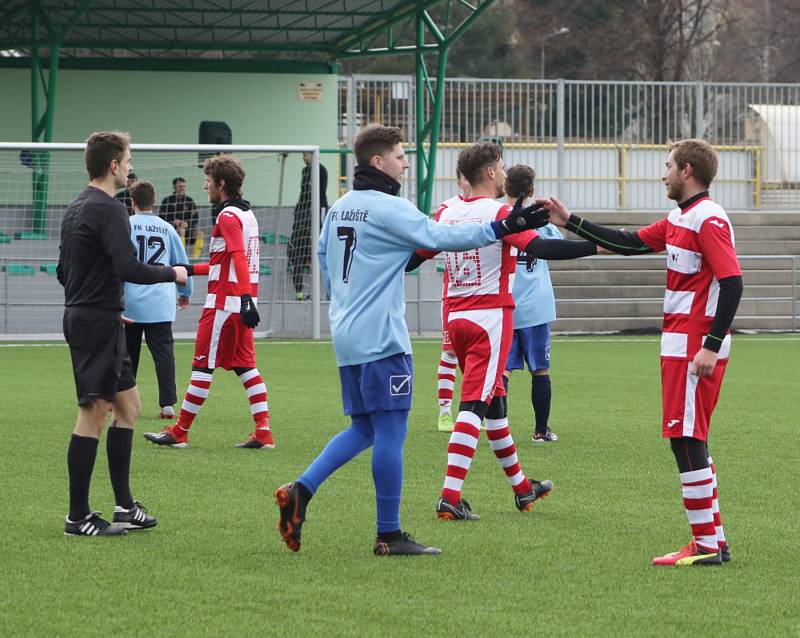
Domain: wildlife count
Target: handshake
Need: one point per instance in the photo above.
(520, 219)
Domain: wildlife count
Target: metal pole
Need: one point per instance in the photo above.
(419, 115)
(560, 137)
(699, 123)
(315, 220)
(794, 294)
(277, 239)
(351, 127)
(541, 60)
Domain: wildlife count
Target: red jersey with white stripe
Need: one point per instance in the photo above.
(482, 277)
(699, 242)
(234, 229)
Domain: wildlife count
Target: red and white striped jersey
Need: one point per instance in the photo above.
(482, 277)
(234, 229)
(699, 242)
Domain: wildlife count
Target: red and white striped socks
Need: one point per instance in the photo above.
(447, 380)
(256, 391)
(196, 395)
(460, 452)
(502, 444)
(698, 494)
(721, 542)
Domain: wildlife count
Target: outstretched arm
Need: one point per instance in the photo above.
(622, 242)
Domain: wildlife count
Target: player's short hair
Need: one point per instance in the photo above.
(375, 140)
(519, 180)
(700, 155)
(178, 179)
(473, 159)
(226, 167)
(102, 148)
(143, 194)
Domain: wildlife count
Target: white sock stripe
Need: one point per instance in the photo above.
(446, 384)
(501, 444)
(516, 479)
(198, 392)
(696, 475)
(720, 534)
(453, 483)
(715, 506)
(450, 358)
(201, 376)
(190, 407)
(459, 460)
(496, 424)
(257, 408)
(258, 388)
(462, 438)
(246, 376)
(469, 417)
(708, 541)
(508, 461)
(697, 491)
(697, 517)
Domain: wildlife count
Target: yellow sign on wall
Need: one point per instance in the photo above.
(309, 91)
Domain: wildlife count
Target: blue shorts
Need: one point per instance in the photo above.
(532, 344)
(385, 384)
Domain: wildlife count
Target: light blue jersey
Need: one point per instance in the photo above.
(534, 300)
(156, 242)
(365, 243)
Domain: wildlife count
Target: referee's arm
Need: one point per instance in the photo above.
(115, 232)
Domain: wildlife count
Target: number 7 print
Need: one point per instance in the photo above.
(347, 234)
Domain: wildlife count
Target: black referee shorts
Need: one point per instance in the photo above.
(100, 361)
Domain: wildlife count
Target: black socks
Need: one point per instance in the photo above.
(118, 447)
(80, 463)
(540, 398)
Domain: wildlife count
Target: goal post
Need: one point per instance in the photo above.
(38, 180)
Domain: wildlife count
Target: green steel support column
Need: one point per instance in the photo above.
(419, 110)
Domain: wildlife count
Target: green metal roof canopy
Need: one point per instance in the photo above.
(229, 35)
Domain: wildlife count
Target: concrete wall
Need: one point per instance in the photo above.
(166, 107)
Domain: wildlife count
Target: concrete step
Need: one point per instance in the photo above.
(614, 324)
(656, 277)
(658, 262)
(611, 307)
(630, 291)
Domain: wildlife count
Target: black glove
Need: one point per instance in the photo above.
(189, 268)
(519, 219)
(248, 312)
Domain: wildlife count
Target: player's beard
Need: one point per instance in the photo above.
(675, 191)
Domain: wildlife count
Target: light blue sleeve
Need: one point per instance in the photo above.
(322, 251)
(409, 228)
(550, 232)
(177, 254)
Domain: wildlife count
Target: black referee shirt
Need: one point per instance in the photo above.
(96, 254)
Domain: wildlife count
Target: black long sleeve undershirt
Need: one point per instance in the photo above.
(559, 249)
(730, 293)
(623, 242)
(539, 248)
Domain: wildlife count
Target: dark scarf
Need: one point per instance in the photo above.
(233, 201)
(367, 178)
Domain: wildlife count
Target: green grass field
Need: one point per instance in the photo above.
(577, 565)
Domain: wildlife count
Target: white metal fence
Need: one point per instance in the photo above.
(600, 145)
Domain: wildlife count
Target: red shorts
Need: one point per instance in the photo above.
(481, 340)
(688, 401)
(446, 345)
(223, 341)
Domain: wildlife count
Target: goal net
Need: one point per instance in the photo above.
(37, 182)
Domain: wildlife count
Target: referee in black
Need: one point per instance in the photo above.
(95, 257)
